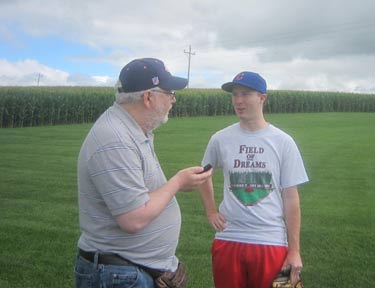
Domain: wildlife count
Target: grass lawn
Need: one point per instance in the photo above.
(38, 203)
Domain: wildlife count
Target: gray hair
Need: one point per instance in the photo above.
(126, 97)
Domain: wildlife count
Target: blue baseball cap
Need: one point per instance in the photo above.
(248, 79)
(146, 73)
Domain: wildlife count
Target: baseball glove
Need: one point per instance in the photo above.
(282, 280)
(177, 279)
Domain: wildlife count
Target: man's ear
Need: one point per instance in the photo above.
(147, 98)
(263, 97)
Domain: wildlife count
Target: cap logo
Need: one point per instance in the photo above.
(155, 80)
(240, 76)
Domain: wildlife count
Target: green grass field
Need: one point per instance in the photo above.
(38, 203)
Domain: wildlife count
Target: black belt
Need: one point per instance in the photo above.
(113, 259)
(106, 259)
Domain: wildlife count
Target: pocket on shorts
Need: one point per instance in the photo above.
(217, 246)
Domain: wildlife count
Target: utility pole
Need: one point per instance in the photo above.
(190, 53)
(39, 75)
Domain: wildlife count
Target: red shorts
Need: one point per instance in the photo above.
(241, 265)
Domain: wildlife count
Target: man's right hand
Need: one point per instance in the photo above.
(190, 178)
(217, 221)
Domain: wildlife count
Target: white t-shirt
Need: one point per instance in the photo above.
(256, 167)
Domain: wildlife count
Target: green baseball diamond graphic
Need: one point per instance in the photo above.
(250, 187)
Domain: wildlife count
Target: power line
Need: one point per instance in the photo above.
(190, 53)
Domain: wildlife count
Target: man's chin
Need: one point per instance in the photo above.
(165, 120)
(160, 122)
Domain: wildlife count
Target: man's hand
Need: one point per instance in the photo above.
(294, 260)
(217, 221)
(190, 178)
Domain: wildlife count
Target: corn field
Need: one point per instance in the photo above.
(36, 106)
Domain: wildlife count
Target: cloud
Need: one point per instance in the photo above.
(85, 80)
(31, 73)
(321, 44)
(333, 74)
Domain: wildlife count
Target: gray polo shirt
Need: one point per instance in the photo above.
(117, 169)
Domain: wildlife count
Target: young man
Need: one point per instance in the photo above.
(258, 222)
(129, 217)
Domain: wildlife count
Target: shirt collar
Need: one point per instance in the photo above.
(131, 124)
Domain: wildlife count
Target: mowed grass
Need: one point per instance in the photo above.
(39, 214)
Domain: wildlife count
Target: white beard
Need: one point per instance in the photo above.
(157, 119)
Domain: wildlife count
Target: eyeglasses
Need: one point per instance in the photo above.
(171, 94)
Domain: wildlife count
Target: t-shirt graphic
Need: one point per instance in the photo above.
(250, 187)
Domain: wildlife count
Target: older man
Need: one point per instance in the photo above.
(129, 217)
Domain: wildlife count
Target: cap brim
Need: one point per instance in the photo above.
(174, 83)
(227, 86)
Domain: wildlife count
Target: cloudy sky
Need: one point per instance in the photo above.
(326, 45)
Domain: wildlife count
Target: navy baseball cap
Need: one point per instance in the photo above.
(146, 73)
(248, 79)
